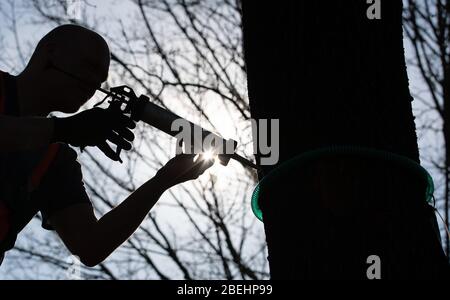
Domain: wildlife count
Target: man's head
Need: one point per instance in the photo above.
(69, 63)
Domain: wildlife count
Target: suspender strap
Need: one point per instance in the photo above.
(40, 170)
(35, 174)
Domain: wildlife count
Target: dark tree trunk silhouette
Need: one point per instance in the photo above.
(334, 77)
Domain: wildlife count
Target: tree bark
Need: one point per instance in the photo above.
(334, 77)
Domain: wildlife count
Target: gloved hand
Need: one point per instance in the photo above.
(94, 127)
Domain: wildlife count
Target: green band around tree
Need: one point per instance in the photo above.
(354, 151)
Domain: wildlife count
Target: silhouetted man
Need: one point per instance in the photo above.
(39, 171)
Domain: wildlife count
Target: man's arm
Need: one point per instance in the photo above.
(24, 133)
(94, 240)
(91, 127)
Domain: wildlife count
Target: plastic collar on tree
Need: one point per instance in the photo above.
(333, 151)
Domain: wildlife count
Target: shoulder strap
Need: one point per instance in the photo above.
(36, 172)
(42, 167)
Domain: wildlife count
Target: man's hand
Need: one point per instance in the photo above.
(94, 127)
(183, 168)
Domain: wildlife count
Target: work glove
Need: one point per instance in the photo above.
(94, 127)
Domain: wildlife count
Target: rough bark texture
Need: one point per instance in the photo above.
(333, 77)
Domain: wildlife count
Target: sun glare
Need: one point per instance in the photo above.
(208, 155)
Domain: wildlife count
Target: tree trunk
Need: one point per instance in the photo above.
(334, 77)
